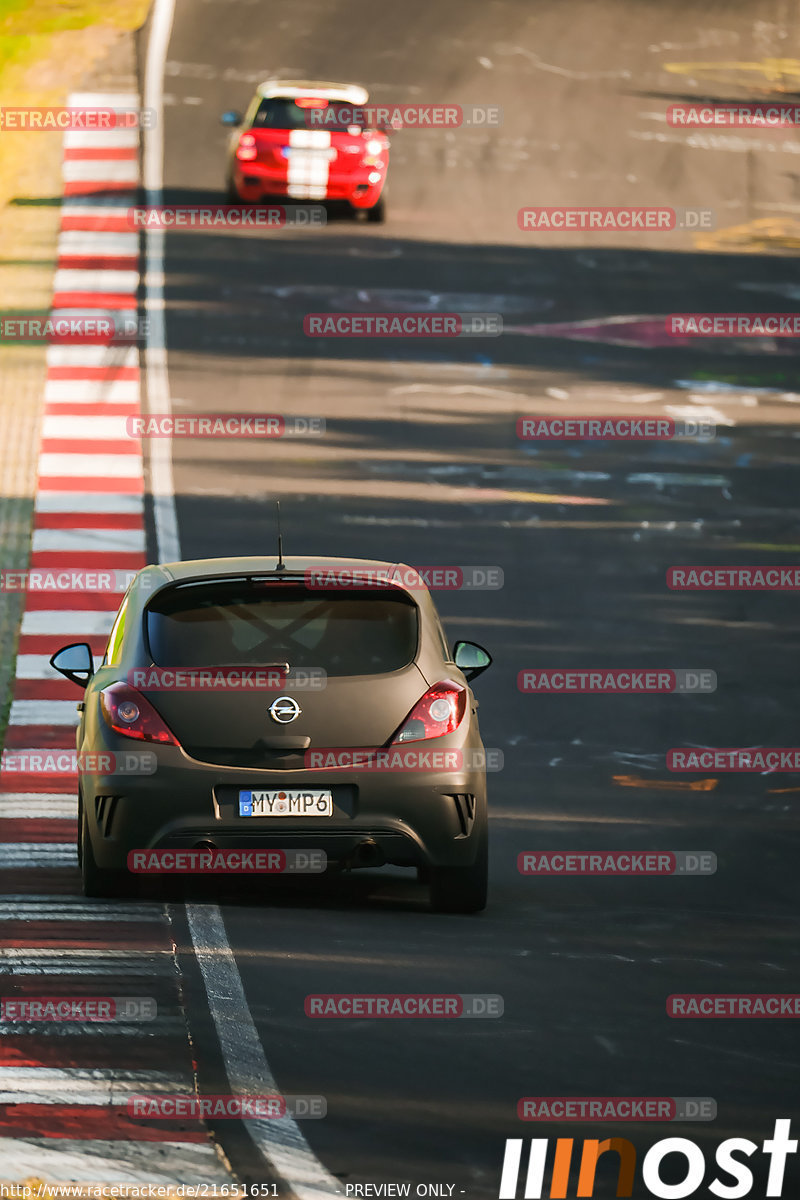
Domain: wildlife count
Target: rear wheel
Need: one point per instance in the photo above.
(231, 194)
(377, 214)
(97, 881)
(462, 889)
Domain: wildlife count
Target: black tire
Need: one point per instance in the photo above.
(462, 889)
(231, 194)
(377, 214)
(97, 881)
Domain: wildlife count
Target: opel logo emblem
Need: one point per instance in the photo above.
(284, 709)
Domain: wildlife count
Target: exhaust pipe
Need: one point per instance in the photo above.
(205, 844)
(368, 854)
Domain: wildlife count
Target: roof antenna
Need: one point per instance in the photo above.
(281, 565)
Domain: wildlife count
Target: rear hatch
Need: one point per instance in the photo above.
(350, 652)
(312, 133)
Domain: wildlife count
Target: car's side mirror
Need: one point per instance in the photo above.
(471, 658)
(75, 662)
(231, 117)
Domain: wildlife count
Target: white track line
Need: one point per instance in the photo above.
(281, 1142)
(80, 623)
(54, 957)
(91, 466)
(82, 1085)
(78, 279)
(285, 1148)
(47, 807)
(119, 101)
(121, 170)
(67, 908)
(83, 244)
(15, 855)
(43, 712)
(92, 356)
(91, 391)
(117, 316)
(158, 396)
(35, 666)
(133, 1162)
(89, 502)
(163, 1026)
(50, 960)
(56, 809)
(101, 139)
(64, 757)
(82, 428)
(116, 205)
(111, 541)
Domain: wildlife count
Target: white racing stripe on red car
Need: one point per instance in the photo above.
(310, 152)
(63, 1086)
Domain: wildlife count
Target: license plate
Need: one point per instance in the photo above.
(318, 152)
(285, 804)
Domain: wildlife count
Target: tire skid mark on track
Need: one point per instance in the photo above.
(64, 1085)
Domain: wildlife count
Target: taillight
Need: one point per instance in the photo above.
(127, 712)
(439, 711)
(247, 149)
(373, 149)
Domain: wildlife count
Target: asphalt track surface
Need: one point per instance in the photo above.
(421, 464)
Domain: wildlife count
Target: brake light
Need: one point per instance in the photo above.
(247, 149)
(373, 151)
(440, 711)
(126, 711)
(311, 102)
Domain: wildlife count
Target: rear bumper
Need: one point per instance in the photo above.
(414, 818)
(255, 183)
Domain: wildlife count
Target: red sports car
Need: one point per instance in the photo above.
(308, 141)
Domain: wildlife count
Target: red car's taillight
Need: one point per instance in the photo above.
(440, 711)
(247, 149)
(127, 712)
(373, 152)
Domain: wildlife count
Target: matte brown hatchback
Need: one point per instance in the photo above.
(307, 707)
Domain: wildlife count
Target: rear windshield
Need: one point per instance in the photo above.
(283, 113)
(350, 632)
